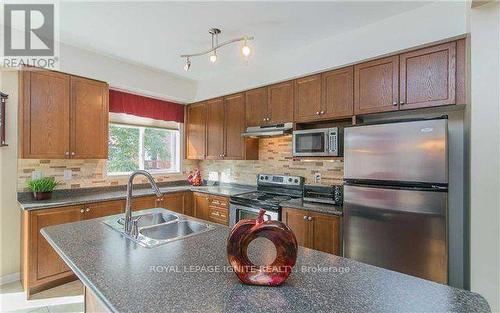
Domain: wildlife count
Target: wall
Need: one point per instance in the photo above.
(429, 23)
(126, 76)
(86, 173)
(485, 153)
(275, 157)
(10, 231)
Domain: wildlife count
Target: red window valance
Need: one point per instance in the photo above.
(122, 102)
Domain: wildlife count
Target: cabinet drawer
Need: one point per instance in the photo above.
(218, 215)
(219, 201)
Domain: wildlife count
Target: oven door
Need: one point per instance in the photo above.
(239, 212)
(313, 142)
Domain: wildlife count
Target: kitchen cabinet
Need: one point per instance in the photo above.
(62, 116)
(308, 103)
(215, 129)
(196, 131)
(201, 205)
(101, 209)
(89, 119)
(218, 211)
(376, 86)
(173, 201)
(225, 122)
(256, 107)
(44, 115)
(314, 230)
(338, 93)
(235, 146)
(428, 77)
(280, 104)
(144, 203)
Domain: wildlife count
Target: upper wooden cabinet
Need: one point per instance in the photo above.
(280, 105)
(428, 77)
(44, 115)
(338, 93)
(196, 131)
(89, 119)
(308, 102)
(225, 122)
(215, 129)
(376, 86)
(62, 116)
(256, 107)
(235, 146)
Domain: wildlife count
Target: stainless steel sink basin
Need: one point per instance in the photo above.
(173, 230)
(159, 226)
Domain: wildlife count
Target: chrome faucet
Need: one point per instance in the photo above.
(131, 223)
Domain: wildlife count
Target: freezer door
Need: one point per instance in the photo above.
(407, 151)
(400, 230)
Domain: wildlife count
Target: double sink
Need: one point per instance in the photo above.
(159, 226)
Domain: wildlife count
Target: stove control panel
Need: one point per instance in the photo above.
(280, 179)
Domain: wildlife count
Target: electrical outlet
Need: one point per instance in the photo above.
(317, 177)
(36, 174)
(68, 174)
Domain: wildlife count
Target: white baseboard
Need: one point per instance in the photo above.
(9, 278)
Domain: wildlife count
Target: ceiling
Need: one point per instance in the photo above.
(155, 34)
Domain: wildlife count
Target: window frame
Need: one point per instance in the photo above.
(178, 153)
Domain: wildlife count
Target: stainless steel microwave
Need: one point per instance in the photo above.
(317, 142)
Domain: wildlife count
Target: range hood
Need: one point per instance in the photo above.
(268, 130)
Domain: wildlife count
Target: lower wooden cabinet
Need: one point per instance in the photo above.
(101, 209)
(218, 211)
(144, 203)
(200, 205)
(314, 230)
(173, 201)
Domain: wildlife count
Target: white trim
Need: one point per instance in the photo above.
(10, 278)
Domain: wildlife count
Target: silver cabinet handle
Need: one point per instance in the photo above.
(322, 112)
(82, 210)
(317, 112)
(309, 218)
(394, 103)
(87, 210)
(264, 119)
(72, 153)
(402, 103)
(66, 153)
(305, 218)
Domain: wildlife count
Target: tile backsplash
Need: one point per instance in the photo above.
(275, 157)
(86, 173)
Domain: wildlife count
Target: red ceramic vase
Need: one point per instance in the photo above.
(244, 232)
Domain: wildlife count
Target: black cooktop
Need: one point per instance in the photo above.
(261, 199)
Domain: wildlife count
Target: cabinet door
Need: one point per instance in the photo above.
(196, 131)
(428, 77)
(325, 233)
(143, 203)
(280, 105)
(89, 119)
(44, 115)
(201, 207)
(256, 107)
(101, 209)
(338, 93)
(234, 146)
(173, 202)
(297, 221)
(308, 100)
(376, 86)
(46, 263)
(215, 129)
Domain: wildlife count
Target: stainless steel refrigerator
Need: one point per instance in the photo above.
(396, 195)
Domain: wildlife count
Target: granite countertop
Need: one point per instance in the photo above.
(90, 195)
(312, 206)
(192, 275)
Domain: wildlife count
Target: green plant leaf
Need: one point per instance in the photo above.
(44, 184)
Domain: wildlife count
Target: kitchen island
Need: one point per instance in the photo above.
(193, 275)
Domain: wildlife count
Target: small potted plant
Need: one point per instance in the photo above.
(42, 187)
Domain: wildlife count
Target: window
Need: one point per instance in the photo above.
(146, 148)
